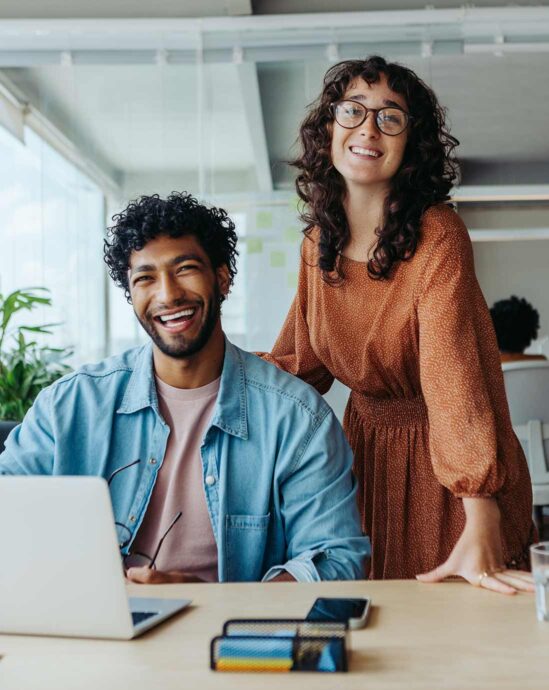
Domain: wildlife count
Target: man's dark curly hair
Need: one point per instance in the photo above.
(425, 177)
(180, 214)
(516, 323)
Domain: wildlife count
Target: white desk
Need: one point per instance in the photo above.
(419, 637)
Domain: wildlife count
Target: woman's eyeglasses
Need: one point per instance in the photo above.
(391, 120)
(136, 559)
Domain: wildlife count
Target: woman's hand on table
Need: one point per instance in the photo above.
(478, 557)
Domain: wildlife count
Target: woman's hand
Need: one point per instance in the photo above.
(477, 555)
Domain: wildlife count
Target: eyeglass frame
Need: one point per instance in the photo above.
(123, 544)
(376, 111)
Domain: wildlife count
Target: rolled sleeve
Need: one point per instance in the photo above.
(301, 568)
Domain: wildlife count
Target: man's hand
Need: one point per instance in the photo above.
(150, 576)
(283, 577)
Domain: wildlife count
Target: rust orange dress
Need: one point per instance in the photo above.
(427, 418)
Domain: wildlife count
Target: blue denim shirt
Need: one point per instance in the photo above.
(279, 490)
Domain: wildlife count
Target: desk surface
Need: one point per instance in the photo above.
(419, 636)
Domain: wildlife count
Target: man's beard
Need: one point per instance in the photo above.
(181, 346)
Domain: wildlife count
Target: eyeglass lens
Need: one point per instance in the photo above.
(350, 114)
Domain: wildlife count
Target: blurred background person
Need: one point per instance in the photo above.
(516, 323)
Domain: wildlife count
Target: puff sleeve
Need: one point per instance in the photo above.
(472, 444)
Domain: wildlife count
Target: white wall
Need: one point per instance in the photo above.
(518, 267)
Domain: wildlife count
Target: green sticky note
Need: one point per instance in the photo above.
(278, 259)
(292, 235)
(254, 245)
(294, 203)
(291, 280)
(263, 220)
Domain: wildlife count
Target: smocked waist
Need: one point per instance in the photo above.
(389, 411)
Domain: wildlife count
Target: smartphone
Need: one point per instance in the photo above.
(354, 611)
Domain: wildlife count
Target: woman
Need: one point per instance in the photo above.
(388, 303)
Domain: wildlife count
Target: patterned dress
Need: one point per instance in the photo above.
(427, 418)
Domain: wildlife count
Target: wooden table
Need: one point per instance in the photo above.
(420, 636)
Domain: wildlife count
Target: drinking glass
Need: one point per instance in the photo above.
(539, 556)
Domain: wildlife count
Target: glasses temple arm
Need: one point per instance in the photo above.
(113, 475)
(155, 555)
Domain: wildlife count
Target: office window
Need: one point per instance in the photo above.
(51, 232)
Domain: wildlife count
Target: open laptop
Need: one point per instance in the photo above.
(61, 569)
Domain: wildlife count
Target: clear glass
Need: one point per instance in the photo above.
(539, 555)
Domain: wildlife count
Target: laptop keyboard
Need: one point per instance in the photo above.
(140, 616)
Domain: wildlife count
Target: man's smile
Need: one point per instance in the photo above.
(177, 321)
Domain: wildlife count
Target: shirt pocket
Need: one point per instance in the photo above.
(246, 539)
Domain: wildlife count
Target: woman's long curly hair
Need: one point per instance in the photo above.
(425, 177)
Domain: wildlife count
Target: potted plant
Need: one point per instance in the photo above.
(25, 366)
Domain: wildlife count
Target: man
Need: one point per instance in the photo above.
(237, 470)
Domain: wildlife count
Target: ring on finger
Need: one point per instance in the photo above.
(482, 576)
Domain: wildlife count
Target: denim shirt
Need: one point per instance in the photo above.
(276, 465)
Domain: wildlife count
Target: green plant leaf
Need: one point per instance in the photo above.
(26, 368)
(37, 329)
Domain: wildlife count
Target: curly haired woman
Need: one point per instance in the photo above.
(388, 304)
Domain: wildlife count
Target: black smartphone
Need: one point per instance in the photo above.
(354, 611)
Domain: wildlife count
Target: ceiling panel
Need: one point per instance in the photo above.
(312, 6)
(143, 118)
(56, 9)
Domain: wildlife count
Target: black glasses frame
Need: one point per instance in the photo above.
(152, 559)
(375, 111)
(125, 542)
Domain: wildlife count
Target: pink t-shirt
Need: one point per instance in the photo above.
(190, 546)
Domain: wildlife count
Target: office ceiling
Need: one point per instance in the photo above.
(309, 6)
(220, 8)
(145, 118)
(161, 117)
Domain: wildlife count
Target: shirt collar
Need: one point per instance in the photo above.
(141, 389)
(230, 412)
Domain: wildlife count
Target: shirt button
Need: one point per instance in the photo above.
(132, 518)
(152, 461)
(210, 480)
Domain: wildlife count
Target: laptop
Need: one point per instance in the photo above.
(61, 568)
